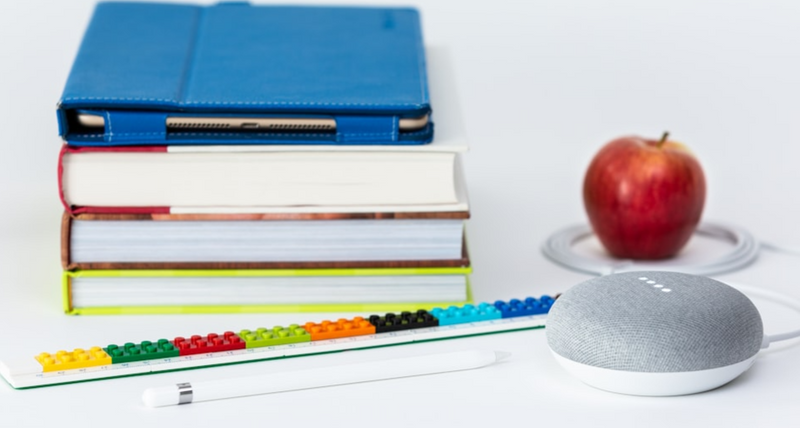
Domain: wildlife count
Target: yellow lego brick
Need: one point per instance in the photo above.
(77, 359)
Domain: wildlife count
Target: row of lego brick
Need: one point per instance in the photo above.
(180, 346)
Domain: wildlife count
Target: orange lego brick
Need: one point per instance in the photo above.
(77, 359)
(358, 326)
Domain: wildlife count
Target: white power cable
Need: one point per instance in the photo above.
(776, 297)
(780, 248)
(559, 248)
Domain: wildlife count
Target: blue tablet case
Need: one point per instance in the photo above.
(141, 62)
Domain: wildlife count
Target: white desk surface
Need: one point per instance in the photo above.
(542, 85)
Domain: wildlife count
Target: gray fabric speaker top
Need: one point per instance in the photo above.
(654, 322)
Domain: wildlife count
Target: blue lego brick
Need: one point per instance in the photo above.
(522, 308)
(466, 314)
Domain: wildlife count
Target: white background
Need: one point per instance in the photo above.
(542, 86)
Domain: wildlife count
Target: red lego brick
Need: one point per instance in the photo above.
(229, 341)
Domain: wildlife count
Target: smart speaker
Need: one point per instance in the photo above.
(654, 333)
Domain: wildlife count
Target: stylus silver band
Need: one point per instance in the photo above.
(184, 393)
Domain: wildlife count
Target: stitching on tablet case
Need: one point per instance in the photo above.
(231, 134)
(127, 134)
(212, 103)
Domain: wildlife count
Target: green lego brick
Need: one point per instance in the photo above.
(146, 350)
(275, 336)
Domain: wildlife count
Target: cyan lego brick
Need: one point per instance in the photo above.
(466, 314)
(521, 308)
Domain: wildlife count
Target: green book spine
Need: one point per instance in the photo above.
(70, 309)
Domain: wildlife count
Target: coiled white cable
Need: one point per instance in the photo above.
(776, 297)
(559, 248)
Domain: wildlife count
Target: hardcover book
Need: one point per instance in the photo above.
(104, 292)
(263, 241)
(259, 179)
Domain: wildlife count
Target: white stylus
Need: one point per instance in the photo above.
(185, 393)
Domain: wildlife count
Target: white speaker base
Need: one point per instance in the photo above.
(655, 384)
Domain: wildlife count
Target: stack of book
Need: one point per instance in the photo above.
(293, 173)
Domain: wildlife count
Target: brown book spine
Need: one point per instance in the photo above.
(457, 215)
(66, 229)
(276, 265)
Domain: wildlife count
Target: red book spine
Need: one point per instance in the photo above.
(65, 150)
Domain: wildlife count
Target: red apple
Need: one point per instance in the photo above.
(644, 197)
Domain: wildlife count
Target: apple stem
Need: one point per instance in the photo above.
(663, 139)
